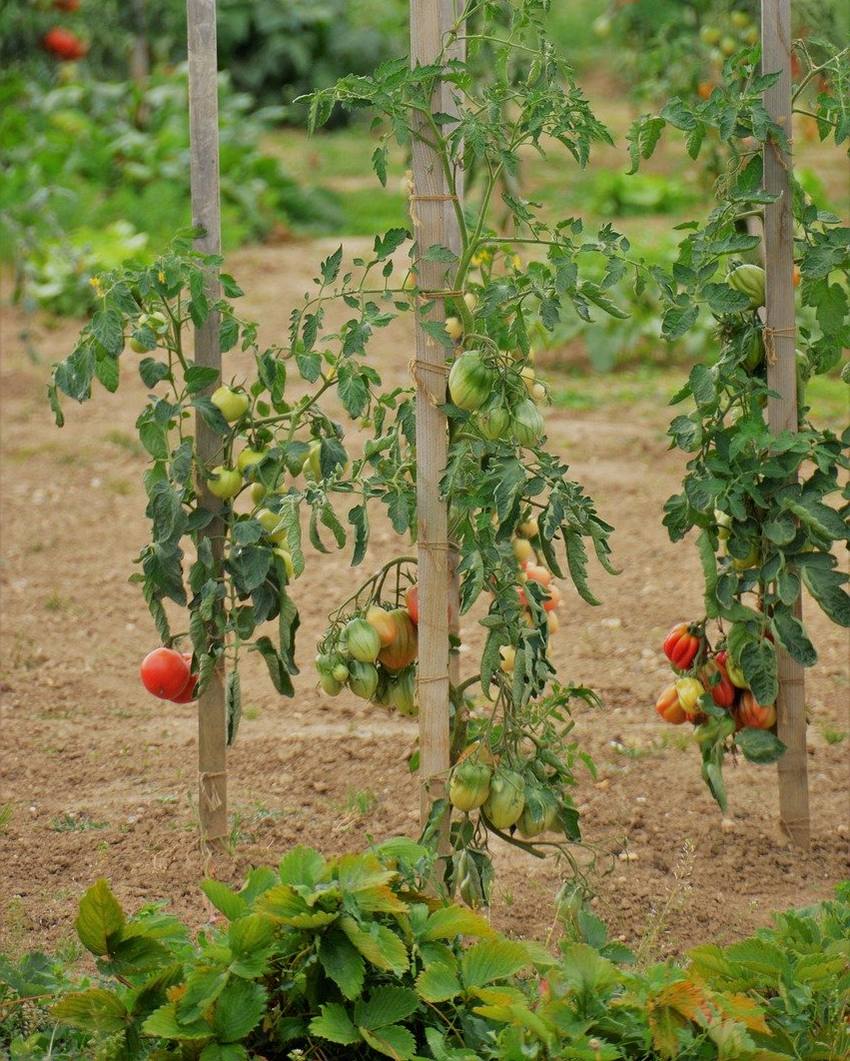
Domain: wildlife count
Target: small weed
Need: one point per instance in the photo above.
(6, 812)
(251, 713)
(360, 801)
(127, 442)
(243, 825)
(56, 603)
(75, 823)
(15, 917)
(833, 736)
(119, 486)
(678, 892)
(69, 950)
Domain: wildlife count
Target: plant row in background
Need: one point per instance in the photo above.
(353, 957)
(95, 173)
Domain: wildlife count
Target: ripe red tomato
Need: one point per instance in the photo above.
(756, 715)
(64, 44)
(189, 693)
(721, 688)
(681, 646)
(165, 673)
(67, 5)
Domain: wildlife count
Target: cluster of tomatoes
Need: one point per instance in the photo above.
(168, 675)
(520, 795)
(226, 481)
(703, 671)
(722, 39)
(509, 415)
(373, 654)
(532, 569)
(62, 42)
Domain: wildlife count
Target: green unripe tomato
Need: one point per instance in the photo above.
(495, 423)
(224, 483)
(506, 798)
(602, 27)
(749, 279)
(527, 423)
(156, 321)
(231, 404)
(750, 560)
(362, 679)
(272, 524)
(470, 381)
(340, 672)
(710, 35)
(258, 492)
(249, 457)
(755, 354)
(469, 785)
(364, 644)
(288, 566)
(329, 684)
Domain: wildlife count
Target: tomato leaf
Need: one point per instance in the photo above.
(789, 633)
(759, 745)
(577, 563)
(758, 661)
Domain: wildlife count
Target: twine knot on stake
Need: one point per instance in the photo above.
(432, 198)
(435, 678)
(770, 334)
(210, 796)
(415, 365)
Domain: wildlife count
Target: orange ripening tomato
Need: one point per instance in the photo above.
(412, 599)
(402, 649)
(704, 89)
(795, 276)
(554, 599)
(538, 572)
(681, 646)
(383, 622)
(755, 715)
(668, 707)
(716, 680)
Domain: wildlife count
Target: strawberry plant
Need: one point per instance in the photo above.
(769, 509)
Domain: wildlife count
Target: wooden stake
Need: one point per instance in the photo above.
(782, 378)
(206, 215)
(434, 222)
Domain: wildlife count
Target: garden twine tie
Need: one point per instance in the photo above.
(770, 340)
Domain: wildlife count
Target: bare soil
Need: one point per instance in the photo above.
(101, 777)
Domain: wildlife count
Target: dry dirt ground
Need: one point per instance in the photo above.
(100, 777)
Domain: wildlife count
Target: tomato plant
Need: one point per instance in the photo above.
(515, 517)
(769, 509)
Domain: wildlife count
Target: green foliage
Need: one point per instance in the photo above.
(350, 957)
(94, 173)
